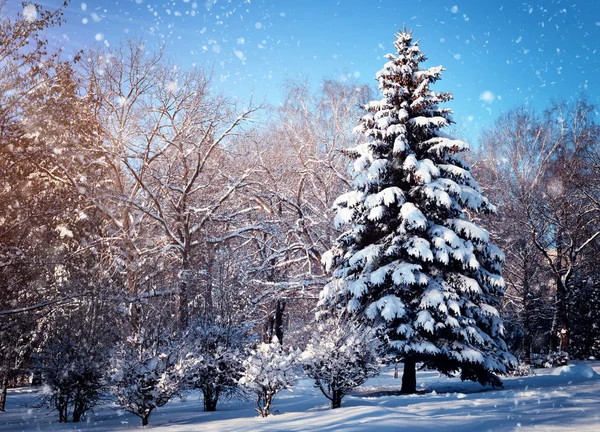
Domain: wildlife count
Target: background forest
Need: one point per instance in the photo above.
(149, 226)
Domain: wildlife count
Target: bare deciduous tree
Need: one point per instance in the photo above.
(166, 141)
(537, 171)
(301, 170)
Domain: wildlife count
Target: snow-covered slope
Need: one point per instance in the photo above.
(560, 399)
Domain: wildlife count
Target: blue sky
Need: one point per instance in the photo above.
(497, 54)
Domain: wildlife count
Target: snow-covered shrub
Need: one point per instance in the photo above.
(72, 377)
(556, 358)
(213, 360)
(339, 357)
(146, 374)
(72, 357)
(552, 359)
(522, 370)
(269, 369)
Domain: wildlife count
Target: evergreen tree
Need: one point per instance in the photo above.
(411, 260)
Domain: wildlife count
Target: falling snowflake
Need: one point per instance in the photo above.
(172, 87)
(487, 96)
(239, 54)
(30, 13)
(555, 188)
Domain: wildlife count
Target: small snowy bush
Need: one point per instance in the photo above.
(269, 369)
(73, 377)
(522, 370)
(556, 358)
(146, 376)
(339, 357)
(72, 358)
(552, 359)
(213, 361)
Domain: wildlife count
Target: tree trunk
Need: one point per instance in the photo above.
(267, 408)
(210, 399)
(3, 391)
(268, 327)
(527, 345)
(208, 298)
(279, 309)
(409, 376)
(274, 323)
(209, 279)
(62, 406)
(79, 409)
(564, 338)
(62, 413)
(336, 399)
(182, 295)
(210, 405)
(132, 284)
(564, 317)
(526, 298)
(145, 419)
(561, 294)
(527, 339)
(553, 332)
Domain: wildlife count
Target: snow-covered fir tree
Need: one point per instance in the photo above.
(411, 260)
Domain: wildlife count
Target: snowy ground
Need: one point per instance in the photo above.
(554, 400)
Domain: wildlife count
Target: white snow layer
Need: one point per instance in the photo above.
(389, 307)
(576, 370)
(548, 401)
(413, 216)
